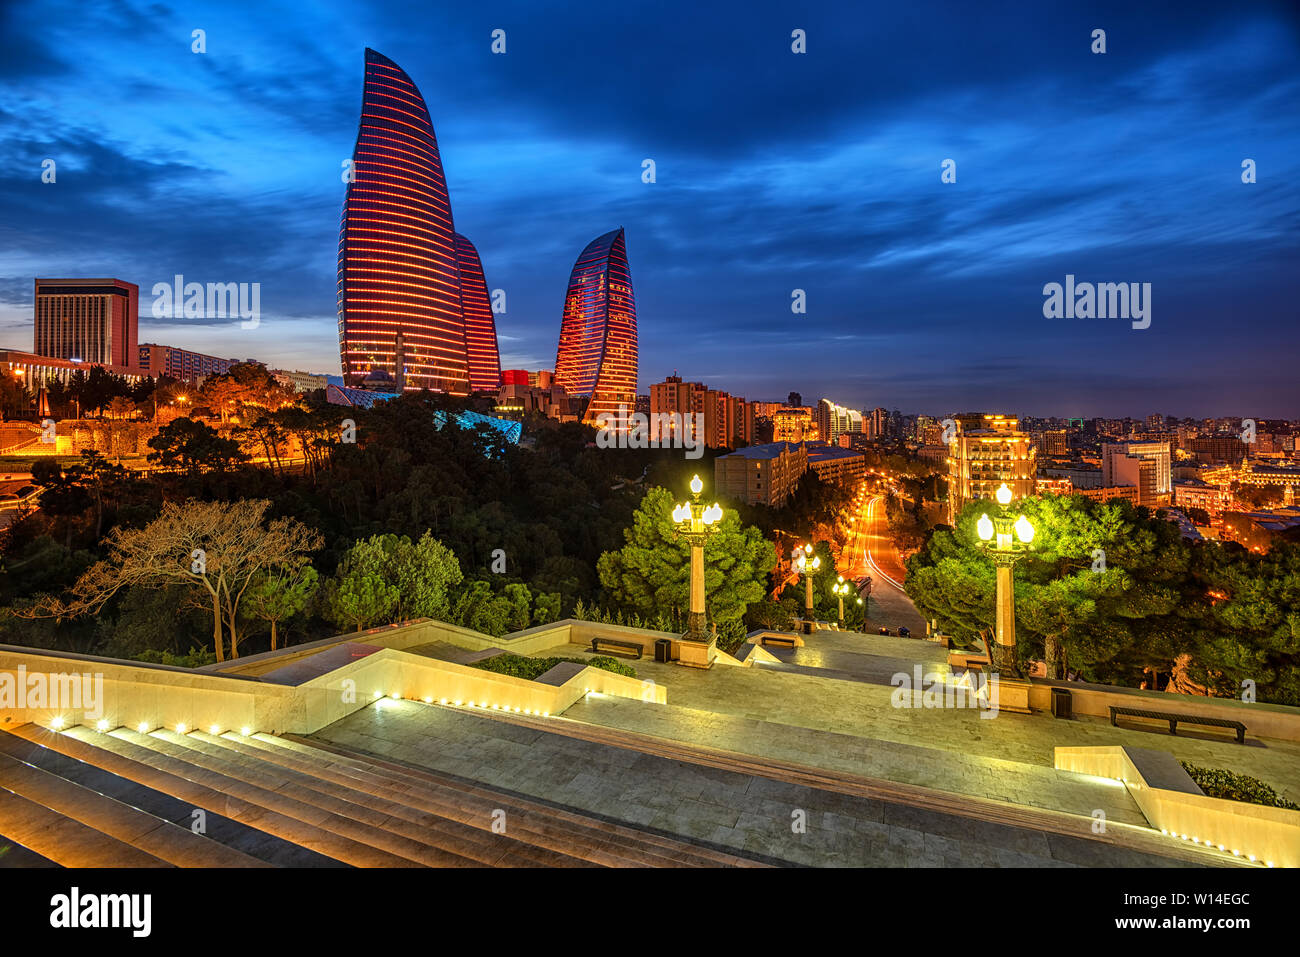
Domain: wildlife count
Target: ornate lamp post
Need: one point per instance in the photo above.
(807, 563)
(696, 523)
(839, 590)
(996, 536)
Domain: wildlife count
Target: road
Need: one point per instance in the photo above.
(871, 552)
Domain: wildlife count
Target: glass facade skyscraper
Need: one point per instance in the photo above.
(397, 263)
(597, 353)
(480, 328)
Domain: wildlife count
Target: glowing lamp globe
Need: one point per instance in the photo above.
(1024, 531)
(985, 527)
(1003, 494)
(696, 486)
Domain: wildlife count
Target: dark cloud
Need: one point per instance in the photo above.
(775, 171)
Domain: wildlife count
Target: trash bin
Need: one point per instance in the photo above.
(1060, 702)
(663, 649)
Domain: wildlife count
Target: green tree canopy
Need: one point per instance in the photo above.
(651, 572)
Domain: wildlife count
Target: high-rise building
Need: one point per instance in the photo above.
(728, 419)
(480, 326)
(794, 424)
(879, 422)
(1142, 464)
(397, 266)
(87, 320)
(987, 450)
(597, 352)
(833, 419)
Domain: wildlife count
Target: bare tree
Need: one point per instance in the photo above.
(215, 547)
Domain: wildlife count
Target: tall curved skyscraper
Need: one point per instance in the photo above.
(480, 326)
(397, 266)
(597, 354)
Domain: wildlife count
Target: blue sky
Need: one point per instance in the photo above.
(775, 171)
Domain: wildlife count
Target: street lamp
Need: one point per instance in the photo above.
(807, 563)
(696, 523)
(1006, 539)
(839, 590)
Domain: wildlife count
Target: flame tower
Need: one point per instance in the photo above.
(397, 266)
(597, 354)
(480, 327)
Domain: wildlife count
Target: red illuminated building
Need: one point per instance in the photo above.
(397, 266)
(480, 328)
(597, 354)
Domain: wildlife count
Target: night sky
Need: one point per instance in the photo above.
(775, 171)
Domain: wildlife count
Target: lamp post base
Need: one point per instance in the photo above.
(1011, 695)
(696, 651)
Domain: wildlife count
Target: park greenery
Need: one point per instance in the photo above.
(521, 666)
(258, 526)
(1233, 786)
(1111, 593)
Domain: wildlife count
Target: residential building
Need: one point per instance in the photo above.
(761, 474)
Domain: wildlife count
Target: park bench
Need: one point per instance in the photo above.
(786, 641)
(1174, 718)
(630, 649)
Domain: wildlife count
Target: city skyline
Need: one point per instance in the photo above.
(921, 295)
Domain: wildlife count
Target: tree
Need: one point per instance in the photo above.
(479, 608)
(361, 593)
(280, 593)
(218, 547)
(193, 447)
(424, 573)
(651, 572)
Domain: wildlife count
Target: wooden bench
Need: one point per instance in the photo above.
(1173, 720)
(629, 649)
(780, 640)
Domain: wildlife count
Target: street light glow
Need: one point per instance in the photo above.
(1003, 494)
(696, 486)
(985, 527)
(1024, 531)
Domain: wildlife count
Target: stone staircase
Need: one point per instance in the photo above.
(125, 799)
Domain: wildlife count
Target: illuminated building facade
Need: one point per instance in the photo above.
(181, 363)
(397, 264)
(480, 328)
(987, 450)
(597, 353)
(87, 320)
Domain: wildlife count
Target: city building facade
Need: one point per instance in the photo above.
(87, 320)
(397, 262)
(986, 451)
(597, 352)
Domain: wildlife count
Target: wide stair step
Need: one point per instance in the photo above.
(63, 840)
(162, 839)
(205, 790)
(259, 845)
(546, 824)
(483, 847)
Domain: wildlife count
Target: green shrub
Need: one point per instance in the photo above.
(197, 658)
(530, 669)
(1232, 786)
